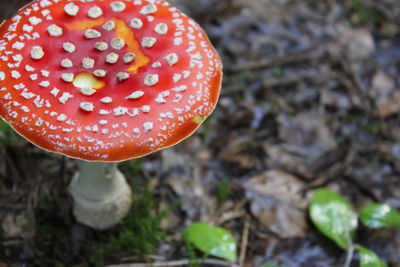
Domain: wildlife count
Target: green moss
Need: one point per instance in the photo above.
(223, 190)
(362, 14)
(53, 234)
(205, 130)
(1, 243)
(371, 126)
(277, 72)
(139, 234)
(43, 261)
(7, 135)
(191, 253)
(132, 169)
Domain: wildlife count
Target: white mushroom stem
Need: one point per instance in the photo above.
(102, 197)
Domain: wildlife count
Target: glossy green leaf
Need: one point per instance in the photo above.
(333, 216)
(379, 216)
(214, 241)
(369, 258)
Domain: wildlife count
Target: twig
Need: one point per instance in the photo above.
(63, 168)
(150, 257)
(182, 262)
(386, 10)
(307, 55)
(228, 216)
(349, 257)
(12, 164)
(298, 77)
(356, 83)
(245, 240)
(348, 176)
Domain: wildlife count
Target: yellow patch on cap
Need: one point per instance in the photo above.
(87, 80)
(198, 119)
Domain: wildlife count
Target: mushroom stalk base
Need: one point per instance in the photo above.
(102, 197)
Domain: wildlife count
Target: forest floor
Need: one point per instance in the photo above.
(310, 99)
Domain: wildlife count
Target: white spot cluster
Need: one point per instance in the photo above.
(151, 79)
(148, 42)
(112, 58)
(136, 23)
(87, 91)
(68, 77)
(65, 97)
(92, 34)
(148, 9)
(37, 52)
(148, 126)
(156, 64)
(71, 9)
(101, 46)
(171, 59)
(95, 12)
(87, 63)
(55, 30)
(121, 76)
(86, 106)
(135, 95)
(99, 73)
(117, 43)
(18, 45)
(15, 74)
(106, 100)
(69, 47)
(109, 25)
(118, 6)
(66, 63)
(129, 57)
(44, 84)
(161, 28)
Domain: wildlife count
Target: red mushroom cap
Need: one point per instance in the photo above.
(106, 80)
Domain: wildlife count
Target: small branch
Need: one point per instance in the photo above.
(298, 77)
(245, 240)
(289, 59)
(183, 262)
(11, 163)
(349, 257)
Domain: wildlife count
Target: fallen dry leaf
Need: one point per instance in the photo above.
(359, 43)
(17, 226)
(184, 177)
(306, 133)
(385, 95)
(277, 203)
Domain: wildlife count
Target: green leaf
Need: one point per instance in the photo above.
(369, 258)
(214, 241)
(333, 216)
(379, 216)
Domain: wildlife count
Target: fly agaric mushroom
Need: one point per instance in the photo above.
(105, 81)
